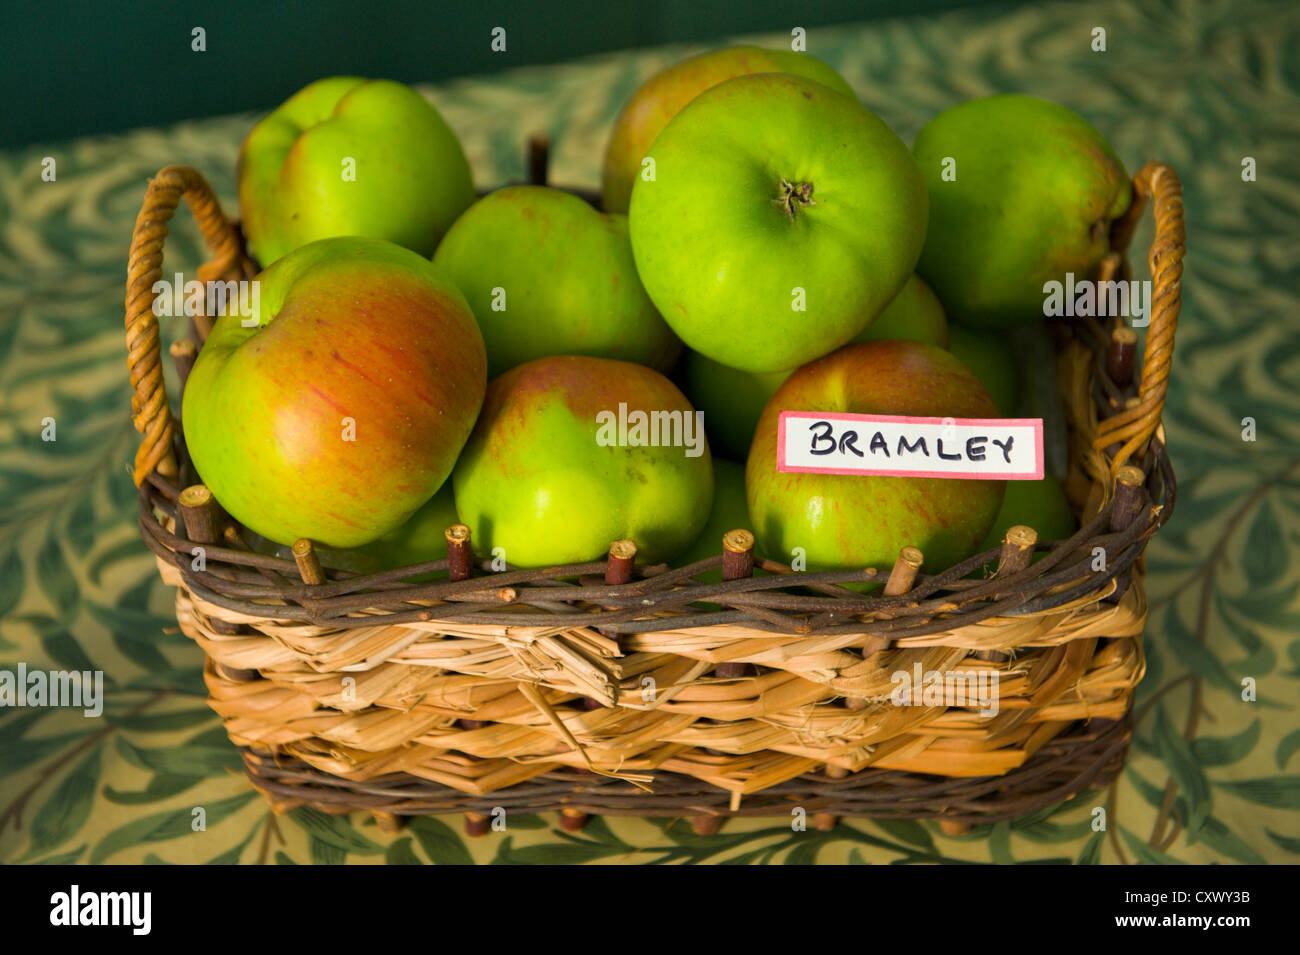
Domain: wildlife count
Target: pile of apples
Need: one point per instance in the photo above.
(421, 357)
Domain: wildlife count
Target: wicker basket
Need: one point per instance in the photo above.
(526, 690)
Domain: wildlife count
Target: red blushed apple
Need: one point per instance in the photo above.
(572, 453)
(857, 521)
(340, 408)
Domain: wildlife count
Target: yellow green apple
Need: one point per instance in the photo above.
(546, 274)
(857, 521)
(782, 219)
(1022, 192)
(349, 156)
(338, 408)
(571, 453)
(662, 97)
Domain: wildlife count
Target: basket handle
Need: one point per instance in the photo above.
(1133, 427)
(152, 414)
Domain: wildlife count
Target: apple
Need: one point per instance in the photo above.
(551, 473)
(988, 353)
(857, 521)
(732, 400)
(421, 538)
(1022, 192)
(728, 513)
(915, 314)
(662, 97)
(341, 408)
(348, 156)
(783, 218)
(546, 274)
(1041, 505)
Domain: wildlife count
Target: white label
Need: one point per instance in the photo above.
(1002, 449)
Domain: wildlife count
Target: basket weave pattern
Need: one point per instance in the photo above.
(607, 687)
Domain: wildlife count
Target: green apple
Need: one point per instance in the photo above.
(348, 156)
(783, 218)
(914, 315)
(856, 521)
(729, 512)
(732, 400)
(1041, 505)
(1022, 191)
(551, 473)
(989, 354)
(662, 97)
(546, 274)
(340, 409)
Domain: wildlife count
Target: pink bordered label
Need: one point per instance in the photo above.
(1001, 449)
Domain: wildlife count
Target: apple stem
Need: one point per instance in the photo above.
(794, 196)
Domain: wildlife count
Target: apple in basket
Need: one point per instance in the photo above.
(729, 512)
(782, 219)
(1022, 192)
(546, 274)
(340, 407)
(856, 521)
(348, 156)
(732, 400)
(991, 355)
(571, 453)
(662, 97)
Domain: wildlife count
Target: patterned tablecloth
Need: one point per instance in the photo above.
(1212, 777)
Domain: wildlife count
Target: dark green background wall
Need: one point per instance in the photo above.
(88, 66)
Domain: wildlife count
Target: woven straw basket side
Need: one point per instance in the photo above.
(526, 689)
